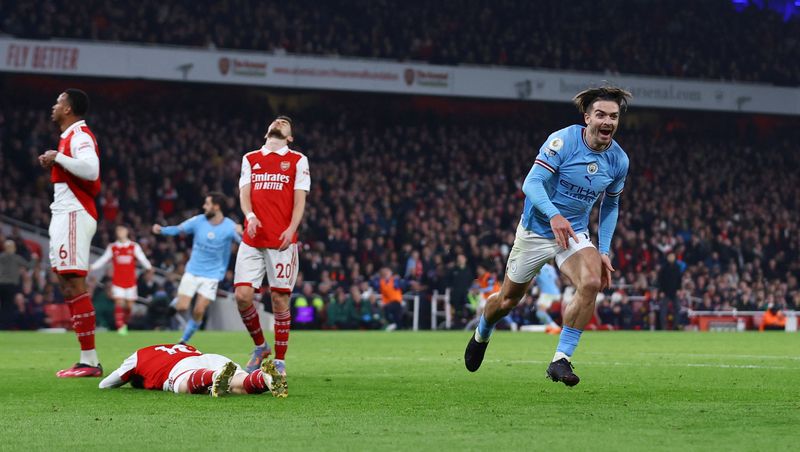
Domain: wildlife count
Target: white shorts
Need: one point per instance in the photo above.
(70, 240)
(531, 251)
(191, 284)
(184, 368)
(546, 300)
(129, 293)
(279, 266)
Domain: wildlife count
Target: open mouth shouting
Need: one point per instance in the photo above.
(605, 133)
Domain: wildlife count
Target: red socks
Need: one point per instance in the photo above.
(254, 383)
(253, 325)
(119, 316)
(200, 380)
(83, 319)
(283, 322)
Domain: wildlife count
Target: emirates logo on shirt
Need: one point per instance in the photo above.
(269, 181)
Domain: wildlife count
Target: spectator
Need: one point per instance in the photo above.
(342, 311)
(448, 190)
(669, 282)
(391, 289)
(773, 319)
(35, 316)
(459, 280)
(11, 266)
(684, 38)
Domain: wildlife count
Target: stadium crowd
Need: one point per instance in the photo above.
(676, 38)
(432, 199)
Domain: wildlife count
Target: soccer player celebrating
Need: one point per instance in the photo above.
(124, 253)
(75, 174)
(182, 369)
(211, 250)
(273, 187)
(572, 170)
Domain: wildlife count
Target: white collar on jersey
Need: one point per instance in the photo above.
(281, 151)
(74, 126)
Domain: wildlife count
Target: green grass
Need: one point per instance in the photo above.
(407, 391)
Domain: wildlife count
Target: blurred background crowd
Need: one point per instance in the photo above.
(711, 39)
(428, 194)
(422, 190)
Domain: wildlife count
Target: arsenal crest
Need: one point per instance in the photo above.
(409, 76)
(285, 166)
(224, 66)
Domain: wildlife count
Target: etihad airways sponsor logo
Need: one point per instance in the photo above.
(578, 192)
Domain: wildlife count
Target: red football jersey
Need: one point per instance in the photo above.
(84, 190)
(123, 257)
(124, 265)
(273, 177)
(153, 364)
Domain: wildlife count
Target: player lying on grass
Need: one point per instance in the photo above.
(183, 369)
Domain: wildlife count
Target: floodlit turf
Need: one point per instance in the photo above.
(407, 391)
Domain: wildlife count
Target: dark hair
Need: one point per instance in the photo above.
(287, 119)
(78, 101)
(137, 381)
(584, 99)
(217, 198)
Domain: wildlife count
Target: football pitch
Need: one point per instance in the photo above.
(410, 391)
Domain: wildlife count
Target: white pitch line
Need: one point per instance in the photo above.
(596, 363)
(704, 355)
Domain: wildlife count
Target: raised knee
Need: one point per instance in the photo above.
(590, 284)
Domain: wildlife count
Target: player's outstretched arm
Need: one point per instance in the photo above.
(103, 260)
(140, 256)
(120, 376)
(112, 381)
(187, 227)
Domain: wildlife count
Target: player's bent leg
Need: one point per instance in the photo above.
(183, 302)
(200, 306)
(222, 379)
(497, 307)
(266, 378)
(276, 378)
(583, 269)
(244, 300)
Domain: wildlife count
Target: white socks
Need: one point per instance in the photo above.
(560, 355)
(89, 357)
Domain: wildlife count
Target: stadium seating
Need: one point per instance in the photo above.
(676, 38)
(384, 189)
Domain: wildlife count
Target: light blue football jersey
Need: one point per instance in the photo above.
(211, 245)
(574, 176)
